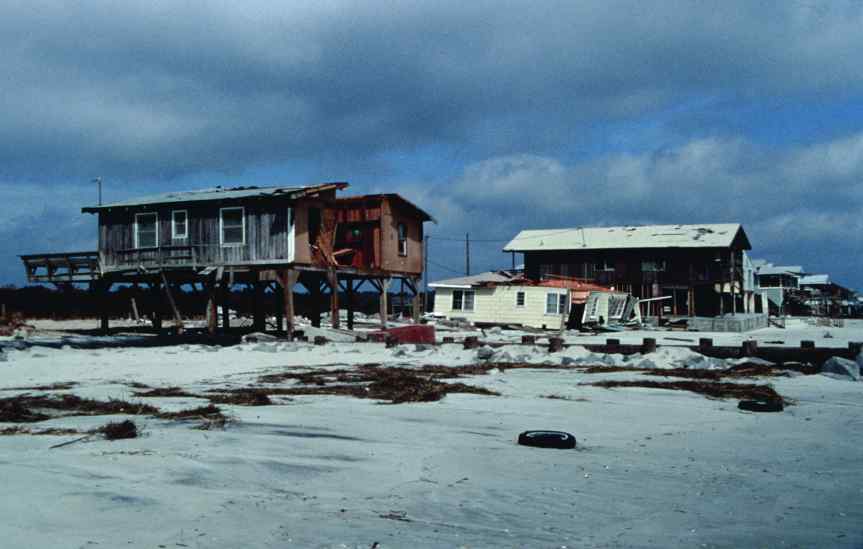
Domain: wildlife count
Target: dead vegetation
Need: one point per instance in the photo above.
(396, 385)
(712, 389)
(164, 392)
(118, 430)
(242, 397)
(28, 408)
(60, 386)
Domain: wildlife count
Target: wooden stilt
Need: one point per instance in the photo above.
(384, 285)
(333, 281)
(178, 320)
(212, 307)
(417, 301)
(278, 296)
(349, 291)
(287, 279)
(315, 295)
(259, 322)
(103, 288)
(155, 290)
(225, 288)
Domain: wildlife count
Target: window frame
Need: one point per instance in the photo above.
(560, 303)
(402, 235)
(174, 234)
(136, 231)
(523, 299)
(222, 242)
(462, 301)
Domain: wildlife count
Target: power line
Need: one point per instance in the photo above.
(445, 268)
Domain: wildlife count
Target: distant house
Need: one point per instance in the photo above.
(702, 268)
(506, 297)
(826, 298)
(777, 282)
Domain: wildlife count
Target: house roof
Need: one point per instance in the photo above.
(481, 279)
(795, 270)
(716, 235)
(815, 280)
(219, 193)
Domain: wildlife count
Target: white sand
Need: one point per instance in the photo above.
(654, 468)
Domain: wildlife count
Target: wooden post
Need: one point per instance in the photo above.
(135, 316)
(103, 288)
(157, 305)
(280, 309)
(258, 322)
(732, 289)
(333, 281)
(287, 279)
(178, 320)
(212, 307)
(315, 296)
(225, 287)
(385, 285)
(417, 311)
(350, 297)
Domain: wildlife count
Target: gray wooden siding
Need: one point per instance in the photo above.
(266, 235)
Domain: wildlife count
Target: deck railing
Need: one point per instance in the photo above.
(163, 256)
(62, 267)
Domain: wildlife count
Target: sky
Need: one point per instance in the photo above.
(493, 116)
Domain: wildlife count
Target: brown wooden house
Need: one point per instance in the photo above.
(255, 235)
(699, 267)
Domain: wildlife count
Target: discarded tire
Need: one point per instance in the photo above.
(547, 439)
(774, 405)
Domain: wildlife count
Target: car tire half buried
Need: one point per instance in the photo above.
(547, 439)
(771, 405)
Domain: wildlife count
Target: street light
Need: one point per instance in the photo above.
(98, 181)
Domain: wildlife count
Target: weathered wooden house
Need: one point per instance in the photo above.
(702, 268)
(255, 235)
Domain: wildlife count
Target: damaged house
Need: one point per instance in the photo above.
(264, 237)
(508, 298)
(703, 270)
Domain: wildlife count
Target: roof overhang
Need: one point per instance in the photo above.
(226, 195)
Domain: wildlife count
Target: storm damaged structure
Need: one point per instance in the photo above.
(261, 236)
(702, 270)
(509, 298)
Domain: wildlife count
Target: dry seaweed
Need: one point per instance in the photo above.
(743, 391)
(164, 392)
(118, 430)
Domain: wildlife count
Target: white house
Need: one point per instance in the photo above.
(501, 297)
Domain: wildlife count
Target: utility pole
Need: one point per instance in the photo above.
(425, 273)
(467, 254)
(98, 181)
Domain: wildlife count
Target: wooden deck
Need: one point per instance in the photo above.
(62, 267)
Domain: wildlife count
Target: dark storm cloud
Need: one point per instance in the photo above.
(159, 89)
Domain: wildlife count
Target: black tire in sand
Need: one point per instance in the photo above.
(773, 405)
(547, 439)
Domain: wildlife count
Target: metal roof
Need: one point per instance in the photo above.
(769, 269)
(716, 235)
(218, 193)
(815, 280)
(491, 277)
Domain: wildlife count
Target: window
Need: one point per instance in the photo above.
(604, 265)
(232, 222)
(653, 266)
(555, 304)
(403, 239)
(179, 224)
(462, 300)
(519, 299)
(146, 230)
